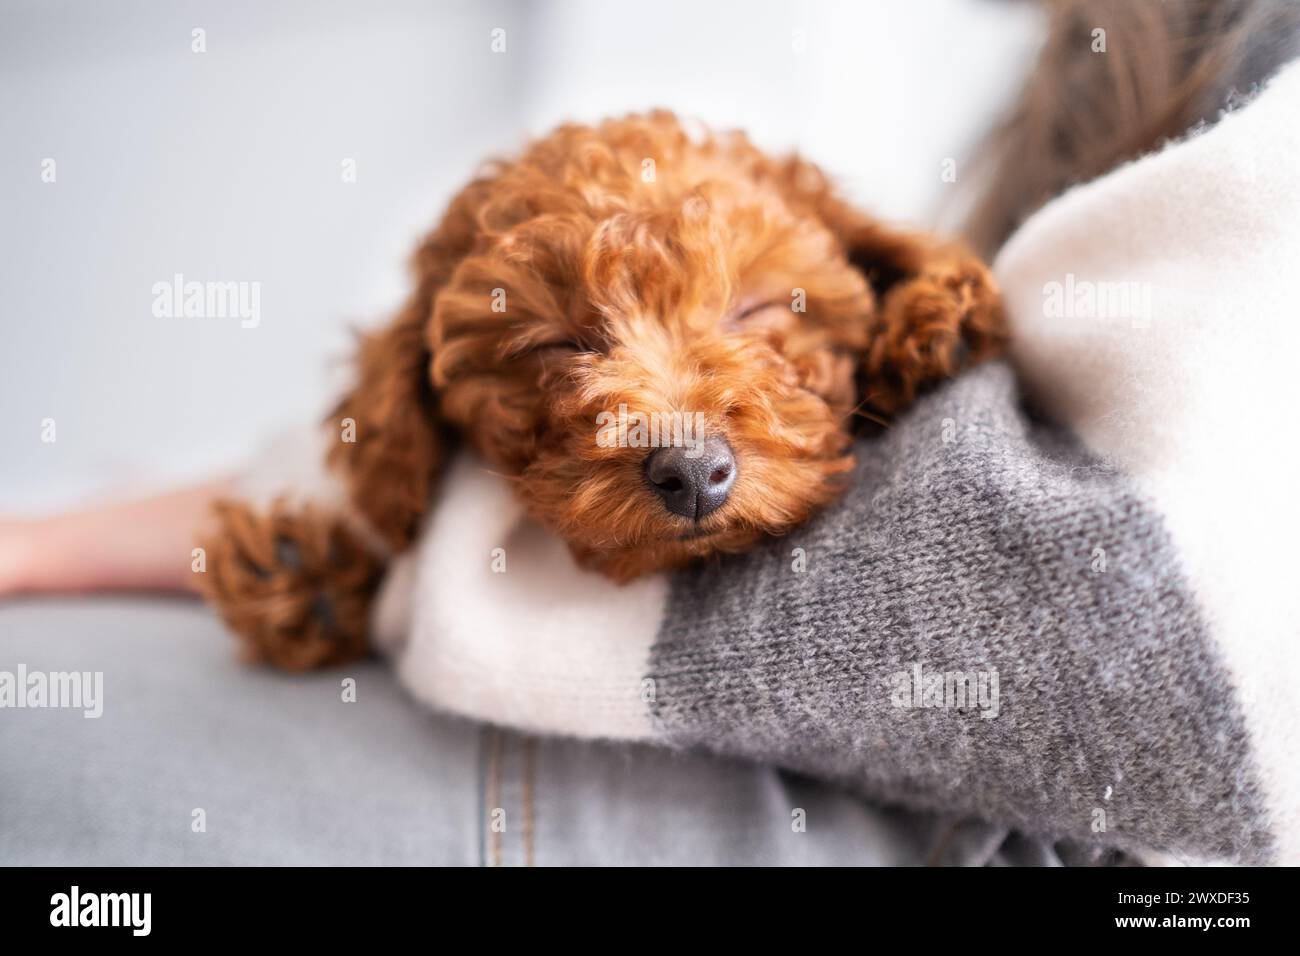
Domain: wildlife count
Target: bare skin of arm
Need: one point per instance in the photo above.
(142, 545)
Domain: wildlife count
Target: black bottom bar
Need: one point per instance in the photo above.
(236, 905)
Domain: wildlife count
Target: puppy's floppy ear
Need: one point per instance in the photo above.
(938, 308)
(391, 466)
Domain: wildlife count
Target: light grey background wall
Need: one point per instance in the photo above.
(227, 165)
(877, 91)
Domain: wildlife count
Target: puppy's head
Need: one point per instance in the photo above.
(662, 337)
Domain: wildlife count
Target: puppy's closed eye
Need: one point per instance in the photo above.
(760, 315)
(567, 347)
(558, 348)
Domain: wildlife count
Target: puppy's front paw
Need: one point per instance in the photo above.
(930, 327)
(294, 584)
(974, 309)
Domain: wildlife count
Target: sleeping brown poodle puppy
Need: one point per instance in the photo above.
(637, 268)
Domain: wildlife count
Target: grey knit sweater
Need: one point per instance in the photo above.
(990, 555)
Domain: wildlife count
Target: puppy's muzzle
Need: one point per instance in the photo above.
(692, 481)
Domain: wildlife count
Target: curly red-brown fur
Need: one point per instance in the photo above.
(634, 263)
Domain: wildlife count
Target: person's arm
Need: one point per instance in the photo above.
(274, 547)
(144, 544)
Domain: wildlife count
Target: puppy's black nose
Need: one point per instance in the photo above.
(692, 480)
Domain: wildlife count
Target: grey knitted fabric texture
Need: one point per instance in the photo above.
(975, 543)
